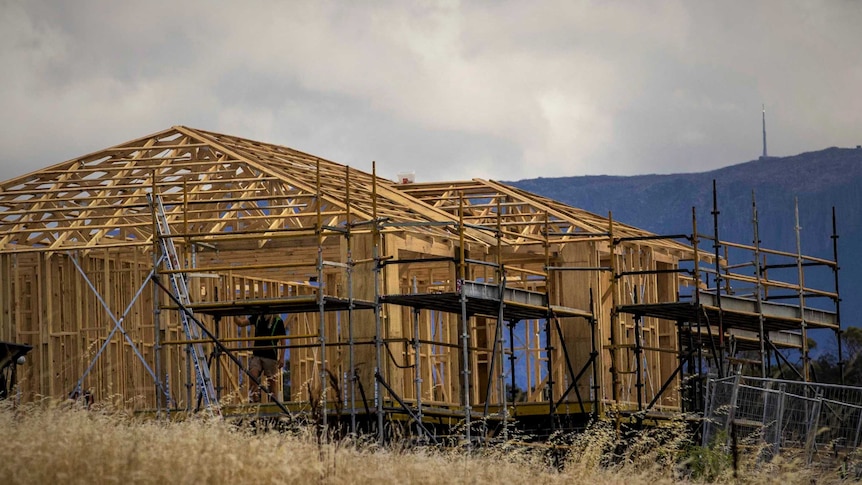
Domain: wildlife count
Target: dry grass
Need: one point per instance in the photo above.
(64, 444)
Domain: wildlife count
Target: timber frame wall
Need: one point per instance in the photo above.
(436, 303)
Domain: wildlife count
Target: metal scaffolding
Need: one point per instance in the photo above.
(416, 282)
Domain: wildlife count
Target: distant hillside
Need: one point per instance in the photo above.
(820, 180)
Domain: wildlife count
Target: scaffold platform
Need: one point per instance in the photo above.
(484, 300)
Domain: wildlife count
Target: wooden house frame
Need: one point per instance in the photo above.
(432, 301)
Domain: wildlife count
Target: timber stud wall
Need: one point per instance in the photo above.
(53, 308)
(339, 251)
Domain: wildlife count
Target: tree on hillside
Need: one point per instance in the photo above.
(826, 367)
(852, 342)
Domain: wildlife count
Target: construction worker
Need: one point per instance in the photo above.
(266, 359)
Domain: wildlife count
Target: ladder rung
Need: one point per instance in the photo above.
(180, 288)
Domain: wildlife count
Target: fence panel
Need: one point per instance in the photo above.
(776, 416)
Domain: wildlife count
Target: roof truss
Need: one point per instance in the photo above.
(523, 217)
(210, 183)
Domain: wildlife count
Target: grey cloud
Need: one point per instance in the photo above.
(451, 90)
(352, 131)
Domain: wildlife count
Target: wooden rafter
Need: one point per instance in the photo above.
(210, 183)
(523, 214)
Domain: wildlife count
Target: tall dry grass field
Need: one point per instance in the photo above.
(60, 443)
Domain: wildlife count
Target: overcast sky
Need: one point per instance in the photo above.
(449, 90)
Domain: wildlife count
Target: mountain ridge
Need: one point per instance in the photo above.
(662, 203)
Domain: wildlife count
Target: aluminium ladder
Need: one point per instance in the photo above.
(204, 383)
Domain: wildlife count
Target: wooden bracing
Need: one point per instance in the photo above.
(554, 238)
(523, 215)
(215, 183)
(558, 314)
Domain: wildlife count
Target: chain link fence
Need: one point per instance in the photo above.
(776, 416)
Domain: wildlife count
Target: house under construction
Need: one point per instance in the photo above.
(433, 304)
